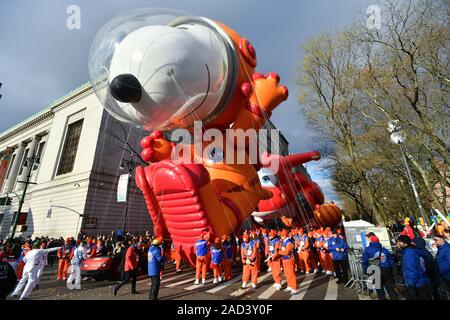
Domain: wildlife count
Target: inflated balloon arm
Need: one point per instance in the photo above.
(289, 161)
(155, 147)
(159, 226)
(263, 95)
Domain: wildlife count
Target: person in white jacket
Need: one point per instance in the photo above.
(42, 263)
(33, 260)
(79, 255)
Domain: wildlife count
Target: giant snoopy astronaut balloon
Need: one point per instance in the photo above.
(161, 70)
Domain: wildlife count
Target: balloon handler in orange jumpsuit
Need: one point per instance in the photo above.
(287, 258)
(201, 251)
(176, 256)
(313, 255)
(217, 260)
(26, 248)
(227, 258)
(274, 260)
(324, 255)
(303, 251)
(65, 254)
(248, 258)
(255, 240)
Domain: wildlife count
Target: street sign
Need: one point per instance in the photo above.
(355, 236)
(122, 187)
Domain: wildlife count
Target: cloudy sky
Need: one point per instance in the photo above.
(41, 60)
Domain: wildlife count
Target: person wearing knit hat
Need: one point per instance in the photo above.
(248, 258)
(227, 258)
(287, 258)
(25, 249)
(254, 237)
(217, 260)
(313, 256)
(303, 251)
(375, 254)
(328, 235)
(274, 260)
(323, 254)
(155, 261)
(414, 271)
(296, 238)
(201, 263)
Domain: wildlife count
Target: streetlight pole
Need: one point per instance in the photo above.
(31, 160)
(131, 165)
(398, 137)
(413, 185)
(80, 215)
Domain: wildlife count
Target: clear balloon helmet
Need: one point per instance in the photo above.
(161, 69)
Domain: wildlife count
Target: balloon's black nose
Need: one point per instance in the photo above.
(126, 88)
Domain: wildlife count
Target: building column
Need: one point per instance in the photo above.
(26, 170)
(15, 168)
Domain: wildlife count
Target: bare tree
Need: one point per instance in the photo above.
(353, 82)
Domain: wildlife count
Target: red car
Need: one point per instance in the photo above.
(106, 267)
(101, 268)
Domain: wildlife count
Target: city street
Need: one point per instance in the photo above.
(218, 139)
(179, 286)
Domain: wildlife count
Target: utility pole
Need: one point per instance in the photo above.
(29, 161)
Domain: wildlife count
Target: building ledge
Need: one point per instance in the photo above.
(43, 114)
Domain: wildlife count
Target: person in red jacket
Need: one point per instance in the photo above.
(407, 231)
(130, 269)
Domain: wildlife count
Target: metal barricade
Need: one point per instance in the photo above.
(358, 279)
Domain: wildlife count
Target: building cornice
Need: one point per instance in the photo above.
(48, 112)
(40, 117)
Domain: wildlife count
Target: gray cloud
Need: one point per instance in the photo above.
(41, 60)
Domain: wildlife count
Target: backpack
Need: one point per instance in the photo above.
(376, 261)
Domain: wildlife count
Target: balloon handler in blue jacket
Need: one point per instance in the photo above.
(155, 262)
(443, 258)
(430, 266)
(414, 270)
(338, 249)
(376, 255)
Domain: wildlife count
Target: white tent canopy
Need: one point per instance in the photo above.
(357, 224)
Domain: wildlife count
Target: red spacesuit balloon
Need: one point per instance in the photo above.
(296, 199)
